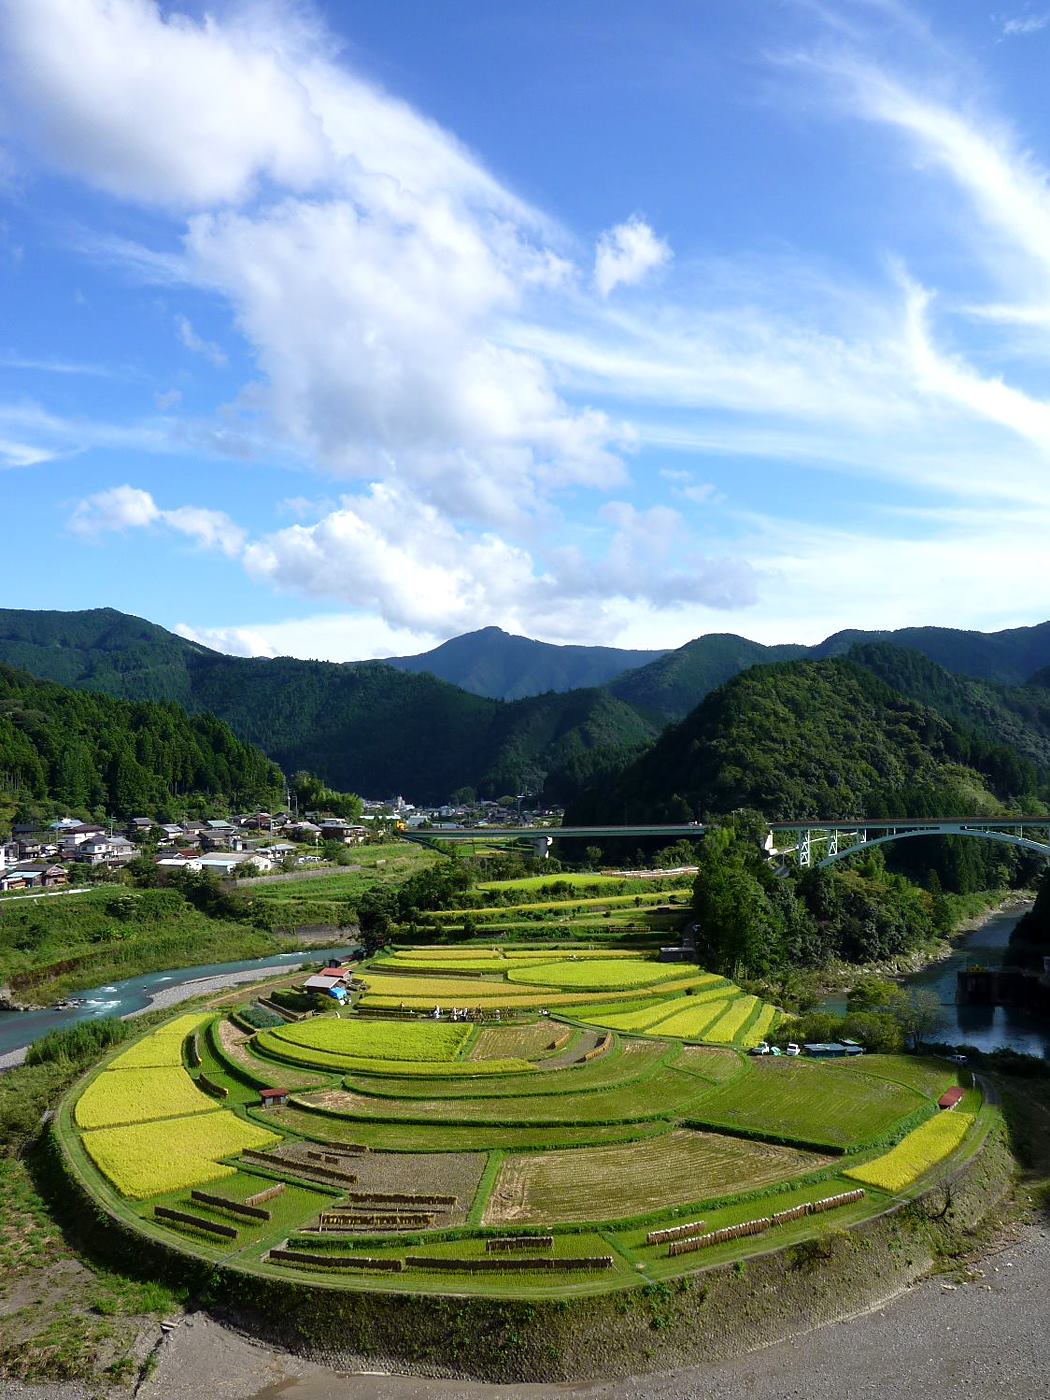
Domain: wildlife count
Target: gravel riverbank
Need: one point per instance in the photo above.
(183, 991)
(945, 1340)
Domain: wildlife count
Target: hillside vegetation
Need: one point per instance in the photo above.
(91, 752)
(363, 727)
(810, 737)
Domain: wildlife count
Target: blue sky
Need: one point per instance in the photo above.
(336, 330)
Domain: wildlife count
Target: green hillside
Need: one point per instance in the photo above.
(88, 751)
(1013, 719)
(362, 726)
(673, 684)
(100, 649)
(1009, 657)
(504, 667)
(805, 737)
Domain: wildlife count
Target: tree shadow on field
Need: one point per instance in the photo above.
(1025, 1104)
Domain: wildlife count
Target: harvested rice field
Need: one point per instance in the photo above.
(638, 1178)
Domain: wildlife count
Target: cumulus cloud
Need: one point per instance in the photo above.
(160, 108)
(396, 556)
(123, 508)
(626, 254)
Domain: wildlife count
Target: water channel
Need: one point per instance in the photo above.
(20, 1028)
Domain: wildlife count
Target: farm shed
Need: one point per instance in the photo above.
(950, 1098)
(826, 1050)
(270, 1098)
(322, 982)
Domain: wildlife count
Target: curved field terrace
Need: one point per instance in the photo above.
(616, 1133)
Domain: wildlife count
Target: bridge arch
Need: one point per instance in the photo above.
(1003, 837)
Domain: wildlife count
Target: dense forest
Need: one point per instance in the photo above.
(756, 923)
(806, 738)
(362, 727)
(382, 728)
(90, 753)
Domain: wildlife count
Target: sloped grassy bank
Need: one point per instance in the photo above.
(703, 1317)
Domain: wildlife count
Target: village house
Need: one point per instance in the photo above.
(106, 850)
(31, 875)
(345, 833)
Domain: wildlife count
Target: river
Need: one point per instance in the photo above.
(985, 1027)
(20, 1028)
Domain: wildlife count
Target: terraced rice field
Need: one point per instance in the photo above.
(637, 1178)
(284, 1051)
(663, 1093)
(163, 1047)
(134, 1095)
(925, 1074)
(600, 974)
(443, 1137)
(517, 1042)
(232, 1046)
(510, 1120)
(807, 1102)
(922, 1149)
(493, 996)
(628, 1062)
(147, 1159)
(377, 1040)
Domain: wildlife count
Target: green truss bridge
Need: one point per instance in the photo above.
(808, 842)
(821, 843)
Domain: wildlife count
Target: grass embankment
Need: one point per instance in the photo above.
(52, 947)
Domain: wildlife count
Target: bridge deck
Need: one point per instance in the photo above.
(890, 823)
(484, 833)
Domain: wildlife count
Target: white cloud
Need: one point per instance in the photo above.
(397, 557)
(626, 254)
(320, 637)
(168, 399)
(1025, 24)
(192, 341)
(23, 454)
(164, 109)
(124, 508)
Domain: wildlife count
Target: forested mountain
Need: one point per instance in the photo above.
(88, 751)
(1010, 657)
(504, 667)
(100, 649)
(368, 728)
(670, 686)
(378, 728)
(362, 726)
(805, 738)
(1014, 719)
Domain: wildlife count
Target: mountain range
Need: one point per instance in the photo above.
(500, 713)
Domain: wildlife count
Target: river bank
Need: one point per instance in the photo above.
(149, 992)
(839, 977)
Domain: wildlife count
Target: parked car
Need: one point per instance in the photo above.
(958, 1059)
(775, 1050)
(793, 1049)
(760, 1049)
